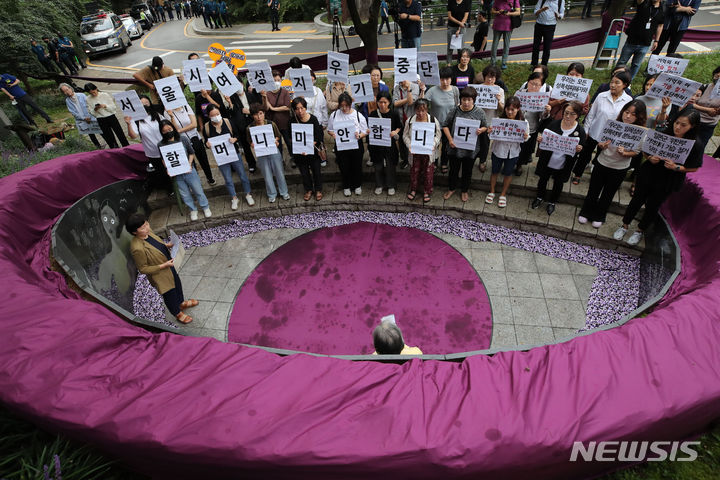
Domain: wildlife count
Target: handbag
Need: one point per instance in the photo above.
(516, 20)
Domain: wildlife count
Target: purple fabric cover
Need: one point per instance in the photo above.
(184, 407)
(325, 291)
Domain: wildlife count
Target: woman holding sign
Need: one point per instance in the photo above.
(535, 84)
(307, 162)
(348, 128)
(384, 158)
(102, 106)
(659, 177)
(417, 139)
(77, 105)
(610, 169)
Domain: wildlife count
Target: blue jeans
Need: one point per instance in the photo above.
(226, 171)
(410, 43)
(506, 46)
(273, 165)
(188, 182)
(637, 52)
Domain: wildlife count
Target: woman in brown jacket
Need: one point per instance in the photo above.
(152, 258)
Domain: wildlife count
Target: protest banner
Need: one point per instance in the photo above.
(678, 89)
(422, 138)
(508, 130)
(175, 159)
(170, 92)
(263, 139)
(623, 135)
(571, 88)
(338, 66)
(227, 83)
(533, 101)
(260, 77)
(486, 96)
(302, 138)
(667, 147)
(130, 105)
(301, 81)
(658, 64)
(428, 68)
(405, 62)
(380, 129)
(361, 88)
(195, 74)
(465, 134)
(223, 151)
(554, 142)
(345, 136)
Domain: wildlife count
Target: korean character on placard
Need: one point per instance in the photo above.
(403, 65)
(335, 66)
(221, 149)
(126, 104)
(173, 159)
(260, 77)
(222, 80)
(300, 137)
(260, 140)
(376, 131)
(343, 134)
(168, 93)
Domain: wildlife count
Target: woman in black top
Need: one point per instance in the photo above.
(385, 159)
(305, 163)
(458, 13)
(463, 72)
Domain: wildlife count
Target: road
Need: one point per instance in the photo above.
(174, 40)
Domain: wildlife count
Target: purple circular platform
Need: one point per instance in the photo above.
(325, 291)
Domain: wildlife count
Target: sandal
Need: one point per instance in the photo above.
(411, 196)
(183, 318)
(189, 304)
(307, 196)
(318, 196)
(576, 181)
(426, 198)
(444, 169)
(448, 194)
(490, 198)
(632, 189)
(464, 196)
(502, 203)
(482, 167)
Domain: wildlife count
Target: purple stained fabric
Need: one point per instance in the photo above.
(325, 291)
(184, 407)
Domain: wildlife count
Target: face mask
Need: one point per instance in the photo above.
(277, 85)
(169, 135)
(216, 119)
(148, 109)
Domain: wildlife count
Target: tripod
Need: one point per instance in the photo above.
(337, 32)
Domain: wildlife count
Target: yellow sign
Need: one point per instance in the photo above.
(234, 58)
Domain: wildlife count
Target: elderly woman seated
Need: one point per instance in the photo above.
(388, 340)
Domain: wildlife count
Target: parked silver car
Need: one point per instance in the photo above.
(133, 27)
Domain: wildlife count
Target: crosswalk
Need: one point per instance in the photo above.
(259, 50)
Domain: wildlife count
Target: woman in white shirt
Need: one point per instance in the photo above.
(102, 106)
(185, 123)
(349, 161)
(607, 106)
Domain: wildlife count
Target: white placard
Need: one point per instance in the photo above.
(130, 105)
(177, 251)
(678, 89)
(338, 66)
(716, 90)
(361, 88)
(175, 158)
(88, 128)
(263, 139)
(623, 135)
(227, 83)
(170, 92)
(302, 85)
(345, 136)
(554, 142)
(380, 129)
(486, 96)
(465, 134)
(508, 130)
(533, 101)
(571, 88)
(302, 138)
(667, 147)
(428, 68)
(422, 138)
(658, 64)
(405, 62)
(456, 42)
(223, 151)
(260, 77)
(196, 76)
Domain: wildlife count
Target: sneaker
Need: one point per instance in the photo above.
(404, 165)
(347, 192)
(635, 238)
(550, 208)
(536, 203)
(378, 191)
(369, 163)
(582, 220)
(620, 233)
(596, 224)
(391, 191)
(251, 169)
(323, 163)
(249, 199)
(149, 168)
(286, 196)
(358, 191)
(234, 203)
(272, 199)
(193, 215)
(207, 212)
(212, 182)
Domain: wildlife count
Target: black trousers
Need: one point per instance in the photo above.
(350, 165)
(484, 140)
(309, 166)
(94, 140)
(201, 155)
(226, 19)
(274, 18)
(544, 34)
(587, 8)
(585, 155)
(110, 129)
(604, 184)
(48, 65)
(649, 193)
(173, 298)
(557, 185)
(456, 165)
(28, 101)
(65, 59)
(61, 67)
(385, 164)
(671, 35)
(527, 148)
(159, 178)
(384, 21)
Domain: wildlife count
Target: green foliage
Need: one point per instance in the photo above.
(14, 157)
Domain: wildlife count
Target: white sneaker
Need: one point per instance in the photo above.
(234, 203)
(272, 199)
(347, 192)
(369, 163)
(207, 212)
(391, 191)
(358, 191)
(620, 233)
(193, 215)
(250, 200)
(323, 163)
(597, 224)
(582, 220)
(635, 238)
(286, 196)
(378, 191)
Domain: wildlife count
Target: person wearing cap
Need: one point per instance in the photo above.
(149, 74)
(10, 86)
(54, 52)
(42, 56)
(102, 106)
(67, 45)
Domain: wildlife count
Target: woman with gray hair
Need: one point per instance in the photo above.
(388, 340)
(77, 105)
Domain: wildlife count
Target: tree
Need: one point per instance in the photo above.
(367, 31)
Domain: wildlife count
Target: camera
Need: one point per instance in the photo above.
(393, 9)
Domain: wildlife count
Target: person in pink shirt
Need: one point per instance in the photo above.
(502, 10)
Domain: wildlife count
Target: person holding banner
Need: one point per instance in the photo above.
(422, 164)
(491, 74)
(184, 121)
(236, 107)
(658, 178)
(350, 160)
(317, 104)
(458, 12)
(276, 104)
(306, 163)
(155, 71)
(332, 94)
(443, 99)
(378, 87)
(384, 158)
(610, 169)
(77, 105)
(187, 183)
(606, 107)
(575, 69)
(218, 125)
(463, 72)
(272, 164)
(534, 84)
(463, 157)
(558, 164)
